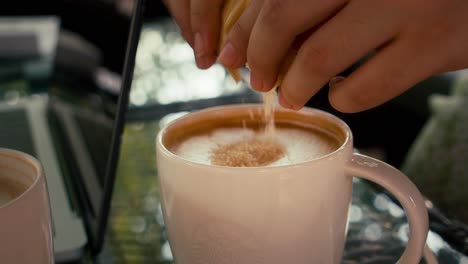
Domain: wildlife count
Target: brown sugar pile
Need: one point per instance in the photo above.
(249, 153)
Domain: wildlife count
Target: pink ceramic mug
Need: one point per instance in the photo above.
(296, 213)
(25, 221)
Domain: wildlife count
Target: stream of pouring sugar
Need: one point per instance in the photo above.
(231, 12)
(269, 112)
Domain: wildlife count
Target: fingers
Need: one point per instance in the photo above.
(204, 19)
(279, 23)
(336, 45)
(180, 11)
(394, 69)
(233, 53)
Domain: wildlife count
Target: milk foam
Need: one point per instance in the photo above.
(300, 145)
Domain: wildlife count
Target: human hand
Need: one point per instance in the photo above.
(412, 39)
(199, 23)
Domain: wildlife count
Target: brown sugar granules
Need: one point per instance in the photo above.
(249, 153)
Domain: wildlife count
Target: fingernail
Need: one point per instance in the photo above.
(203, 59)
(228, 55)
(256, 83)
(334, 82)
(282, 101)
(199, 46)
(204, 62)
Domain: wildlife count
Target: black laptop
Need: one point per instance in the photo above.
(75, 132)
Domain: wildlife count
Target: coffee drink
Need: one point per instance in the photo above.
(242, 147)
(25, 216)
(269, 212)
(243, 138)
(10, 189)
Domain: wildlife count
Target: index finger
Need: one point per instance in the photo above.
(180, 11)
(205, 16)
(276, 28)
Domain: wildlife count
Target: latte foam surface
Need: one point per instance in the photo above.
(299, 145)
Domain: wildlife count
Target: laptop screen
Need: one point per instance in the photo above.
(92, 77)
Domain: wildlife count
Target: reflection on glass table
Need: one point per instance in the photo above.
(167, 84)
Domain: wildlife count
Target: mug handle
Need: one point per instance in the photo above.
(404, 191)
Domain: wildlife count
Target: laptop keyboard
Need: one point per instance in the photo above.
(15, 131)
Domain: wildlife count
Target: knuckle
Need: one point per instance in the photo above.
(315, 59)
(348, 39)
(376, 93)
(239, 37)
(238, 32)
(205, 12)
(273, 13)
(197, 14)
(347, 42)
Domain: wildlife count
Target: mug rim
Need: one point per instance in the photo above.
(307, 110)
(35, 165)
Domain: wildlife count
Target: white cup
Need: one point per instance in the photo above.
(295, 213)
(25, 225)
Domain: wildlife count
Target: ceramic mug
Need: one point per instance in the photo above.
(295, 213)
(25, 220)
